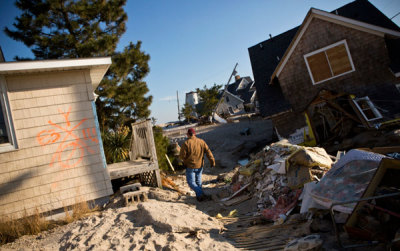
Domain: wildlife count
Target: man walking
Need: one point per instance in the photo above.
(192, 155)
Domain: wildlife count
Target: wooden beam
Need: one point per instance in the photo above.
(337, 107)
(169, 163)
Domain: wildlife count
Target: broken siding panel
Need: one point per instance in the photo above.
(58, 143)
(287, 123)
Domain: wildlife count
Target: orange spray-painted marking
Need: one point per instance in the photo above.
(75, 148)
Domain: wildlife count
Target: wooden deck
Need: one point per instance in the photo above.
(131, 167)
(143, 157)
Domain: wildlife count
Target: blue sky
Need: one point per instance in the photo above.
(196, 43)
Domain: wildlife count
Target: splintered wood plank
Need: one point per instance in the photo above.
(237, 200)
(266, 236)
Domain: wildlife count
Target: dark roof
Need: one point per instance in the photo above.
(244, 93)
(266, 55)
(393, 47)
(364, 11)
(264, 58)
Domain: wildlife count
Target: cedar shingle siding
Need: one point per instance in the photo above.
(374, 57)
(58, 161)
(369, 54)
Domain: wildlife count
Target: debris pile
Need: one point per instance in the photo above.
(358, 189)
(277, 175)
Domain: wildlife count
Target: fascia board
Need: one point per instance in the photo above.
(51, 65)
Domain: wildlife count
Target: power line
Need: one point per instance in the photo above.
(395, 15)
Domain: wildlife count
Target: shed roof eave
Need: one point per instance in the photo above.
(97, 66)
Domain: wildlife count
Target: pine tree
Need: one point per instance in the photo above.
(122, 93)
(187, 111)
(209, 99)
(89, 28)
(69, 29)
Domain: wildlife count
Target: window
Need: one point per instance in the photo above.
(367, 108)
(329, 62)
(7, 136)
(227, 99)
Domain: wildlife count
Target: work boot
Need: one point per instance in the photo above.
(200, 198)
(207, 197)
(204, 197)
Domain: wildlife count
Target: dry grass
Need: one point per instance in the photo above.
(79, 211)
(12, 229)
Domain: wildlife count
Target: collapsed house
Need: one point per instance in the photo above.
(335, 73)
(238, 97)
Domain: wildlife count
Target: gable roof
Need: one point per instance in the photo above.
(244, 93)
(267, 56)
(223, 94)
(334, 18)
(233, 96)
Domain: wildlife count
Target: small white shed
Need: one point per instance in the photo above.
(51, 154)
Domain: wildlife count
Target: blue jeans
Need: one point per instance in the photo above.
(193, 178)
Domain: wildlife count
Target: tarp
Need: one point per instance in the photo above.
(219, 119)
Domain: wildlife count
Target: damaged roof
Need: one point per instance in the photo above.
(393, 46)
(266, 56)
(244, 93)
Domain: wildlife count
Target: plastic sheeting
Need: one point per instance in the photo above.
(219, 119)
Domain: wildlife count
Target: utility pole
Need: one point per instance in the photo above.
(226, 87)
(179, 112)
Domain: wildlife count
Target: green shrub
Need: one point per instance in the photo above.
(162, 144)
(116, 145)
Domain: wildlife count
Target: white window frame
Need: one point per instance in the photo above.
(5, 108)
(324, 49)
(371, 105)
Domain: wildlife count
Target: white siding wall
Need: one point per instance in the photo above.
(237, 105)
(58, 160)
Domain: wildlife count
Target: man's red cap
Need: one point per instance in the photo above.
(191, 131)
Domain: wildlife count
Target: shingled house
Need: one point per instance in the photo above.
(350, 55)
(238, 97)
(51, 153)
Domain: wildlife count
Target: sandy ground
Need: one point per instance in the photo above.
(229, 145)
(168, 220)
